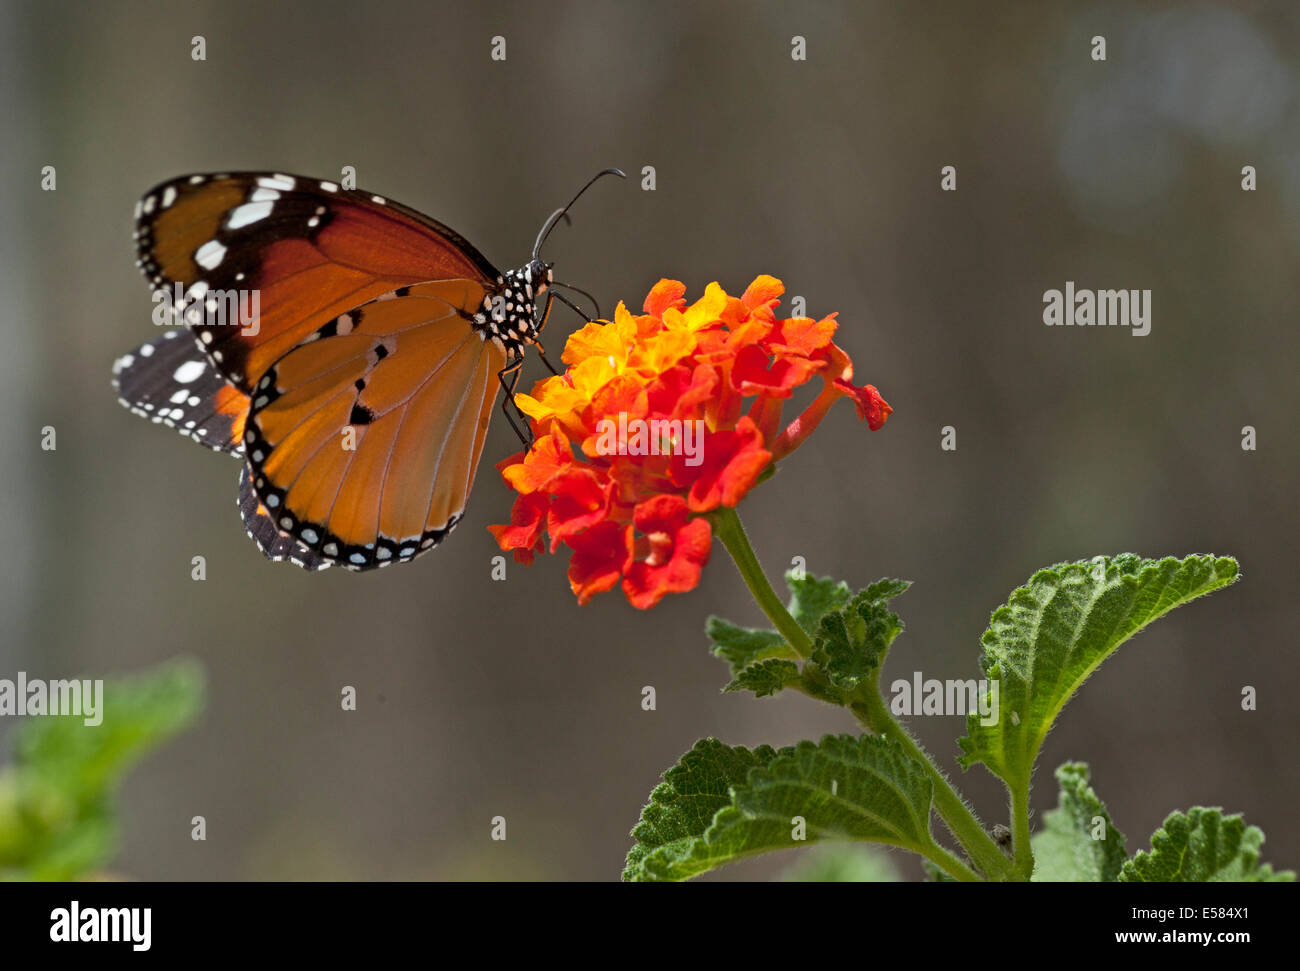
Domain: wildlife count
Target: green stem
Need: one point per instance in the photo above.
(1023, 854)
(728, 528)
(956, 868)
(871, 711)
(956, 815)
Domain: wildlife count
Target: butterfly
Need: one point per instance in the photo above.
(347, 349)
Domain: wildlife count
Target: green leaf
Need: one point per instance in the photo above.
(1066, 849)
(682, 807)
(57, 819)
(886, 588)
(851, 641)
(845, 788)
(742, 646)
(1199, 846)
(766, 677)
(811, 598)
(1053, 633)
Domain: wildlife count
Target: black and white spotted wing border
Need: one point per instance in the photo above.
(274, 544)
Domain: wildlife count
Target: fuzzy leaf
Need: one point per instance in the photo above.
(742, 646)
(886, 588)
(851, 641)
(1065, 850)
(811, 598)
(1199, 846)
(682, 807)
(765, 677)
(1053, 633)
(845, 788)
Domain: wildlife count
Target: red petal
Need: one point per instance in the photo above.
(581, 501)
(872, 408)
(527, 517)
(691, 543)
(599, 555)
(732, 463)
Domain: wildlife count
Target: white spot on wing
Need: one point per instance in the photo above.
(189, 371)
(249, 212)
(277, 181)
(210, 254)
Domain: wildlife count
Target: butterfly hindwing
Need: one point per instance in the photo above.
(275, 545)
(261, 260)
(364, 439)
(171, 381)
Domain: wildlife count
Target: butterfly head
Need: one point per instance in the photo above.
(539, 275)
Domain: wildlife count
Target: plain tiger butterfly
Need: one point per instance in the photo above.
(347, 349)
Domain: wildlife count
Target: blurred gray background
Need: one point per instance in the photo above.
(479, 698)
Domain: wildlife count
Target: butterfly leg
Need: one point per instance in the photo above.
(513, 370)
(541, 352)
(571, 305)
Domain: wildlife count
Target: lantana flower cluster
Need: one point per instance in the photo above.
(659, 419)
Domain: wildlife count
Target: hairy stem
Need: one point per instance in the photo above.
(952, 809)
(728, 528)
(1023, 855)
(955, 868)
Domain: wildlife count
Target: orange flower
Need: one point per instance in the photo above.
(647, 430)
(676, 548)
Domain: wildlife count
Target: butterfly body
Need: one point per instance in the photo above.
(359, 393)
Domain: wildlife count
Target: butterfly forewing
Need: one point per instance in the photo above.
(308, 249)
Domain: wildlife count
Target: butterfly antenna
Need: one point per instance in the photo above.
(594, 302)
(554, 217)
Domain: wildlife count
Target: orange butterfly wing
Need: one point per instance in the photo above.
(309, 249)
